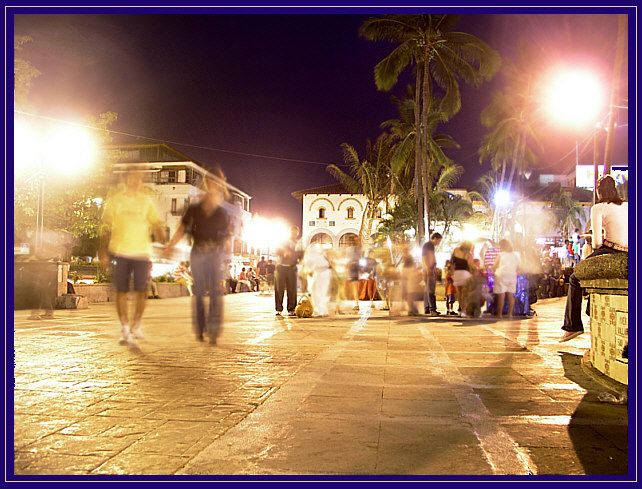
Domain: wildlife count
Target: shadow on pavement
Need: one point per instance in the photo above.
(600, 446)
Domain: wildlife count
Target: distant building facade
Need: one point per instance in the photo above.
(332, 216)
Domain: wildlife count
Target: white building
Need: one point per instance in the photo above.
(176, 180)
(332, 216)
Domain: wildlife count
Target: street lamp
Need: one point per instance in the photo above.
(575, 97)
(42, 152)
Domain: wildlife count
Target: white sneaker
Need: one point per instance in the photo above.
(137, 332)
(125, 335)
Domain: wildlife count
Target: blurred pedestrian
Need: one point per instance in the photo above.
(270, 269)
(429, 262)
(587, 249)
(209, 225)
(610, 234)
(505, 285)
(463, 265)
(450, 289)
(411, 289)
(368, 277)
(183, 276)
(129, 219)
(353, 255)
(317, 264)
(288, 255)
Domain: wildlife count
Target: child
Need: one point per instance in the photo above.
(451, 290)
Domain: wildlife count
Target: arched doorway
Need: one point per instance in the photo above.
(322, 239)
(348, 239)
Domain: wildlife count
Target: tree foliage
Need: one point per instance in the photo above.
(441, 58)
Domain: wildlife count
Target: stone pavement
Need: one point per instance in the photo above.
(355, 394)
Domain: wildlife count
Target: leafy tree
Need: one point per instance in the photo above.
(23, 72)
(514, 136)
(370, 176)
(567, 211)
(441, 58)
(72, 207)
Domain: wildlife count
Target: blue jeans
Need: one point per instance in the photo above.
(206, 271)
(430, 297)
(573, 312)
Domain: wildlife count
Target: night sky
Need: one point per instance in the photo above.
(287, 86)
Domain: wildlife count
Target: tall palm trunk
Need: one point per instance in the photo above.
(516, 156)
(418, 174)
(501, 179)
(425, 135)
(426, 209)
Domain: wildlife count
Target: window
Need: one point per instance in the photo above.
(174, 210)
(378, 213)
(321, 212)
(171, 177)
(350, 212)
(311, 223)
(331, 223)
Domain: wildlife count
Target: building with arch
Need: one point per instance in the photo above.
(332, 215)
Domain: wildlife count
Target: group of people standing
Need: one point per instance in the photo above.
(130, 220)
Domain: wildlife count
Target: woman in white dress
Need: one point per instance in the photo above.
(506, 266)
(318, 265)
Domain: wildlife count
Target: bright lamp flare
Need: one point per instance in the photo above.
(25, 147)
(70, 149)
(502, 198)
(266, 233)
(574, 97)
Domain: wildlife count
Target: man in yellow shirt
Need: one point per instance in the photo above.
(129, 218)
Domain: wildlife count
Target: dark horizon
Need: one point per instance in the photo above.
(290, 86)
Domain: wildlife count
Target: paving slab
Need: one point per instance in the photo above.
(358, 393)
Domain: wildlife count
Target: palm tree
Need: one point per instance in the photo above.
(568, 211)
(453, 208)
(445, 171)
(441, 57)
(514, 135)
(370, 177)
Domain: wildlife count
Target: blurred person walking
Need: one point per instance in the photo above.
(129, 219)
(316, 263)
(209, 225)
(463, 265)
(410, 281)
(505, 285)
(287, 256)
(429, 262)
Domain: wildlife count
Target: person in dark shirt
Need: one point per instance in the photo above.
(288, 255)
(261, 267)
(269, 273)
(209, 225)
(429, 263)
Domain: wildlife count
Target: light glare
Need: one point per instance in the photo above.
(574, 97)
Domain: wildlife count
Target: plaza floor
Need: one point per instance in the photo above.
(360, 393)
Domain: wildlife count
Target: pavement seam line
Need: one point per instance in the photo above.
(502, 453)
(329, 354)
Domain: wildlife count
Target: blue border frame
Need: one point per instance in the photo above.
(499, 8)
